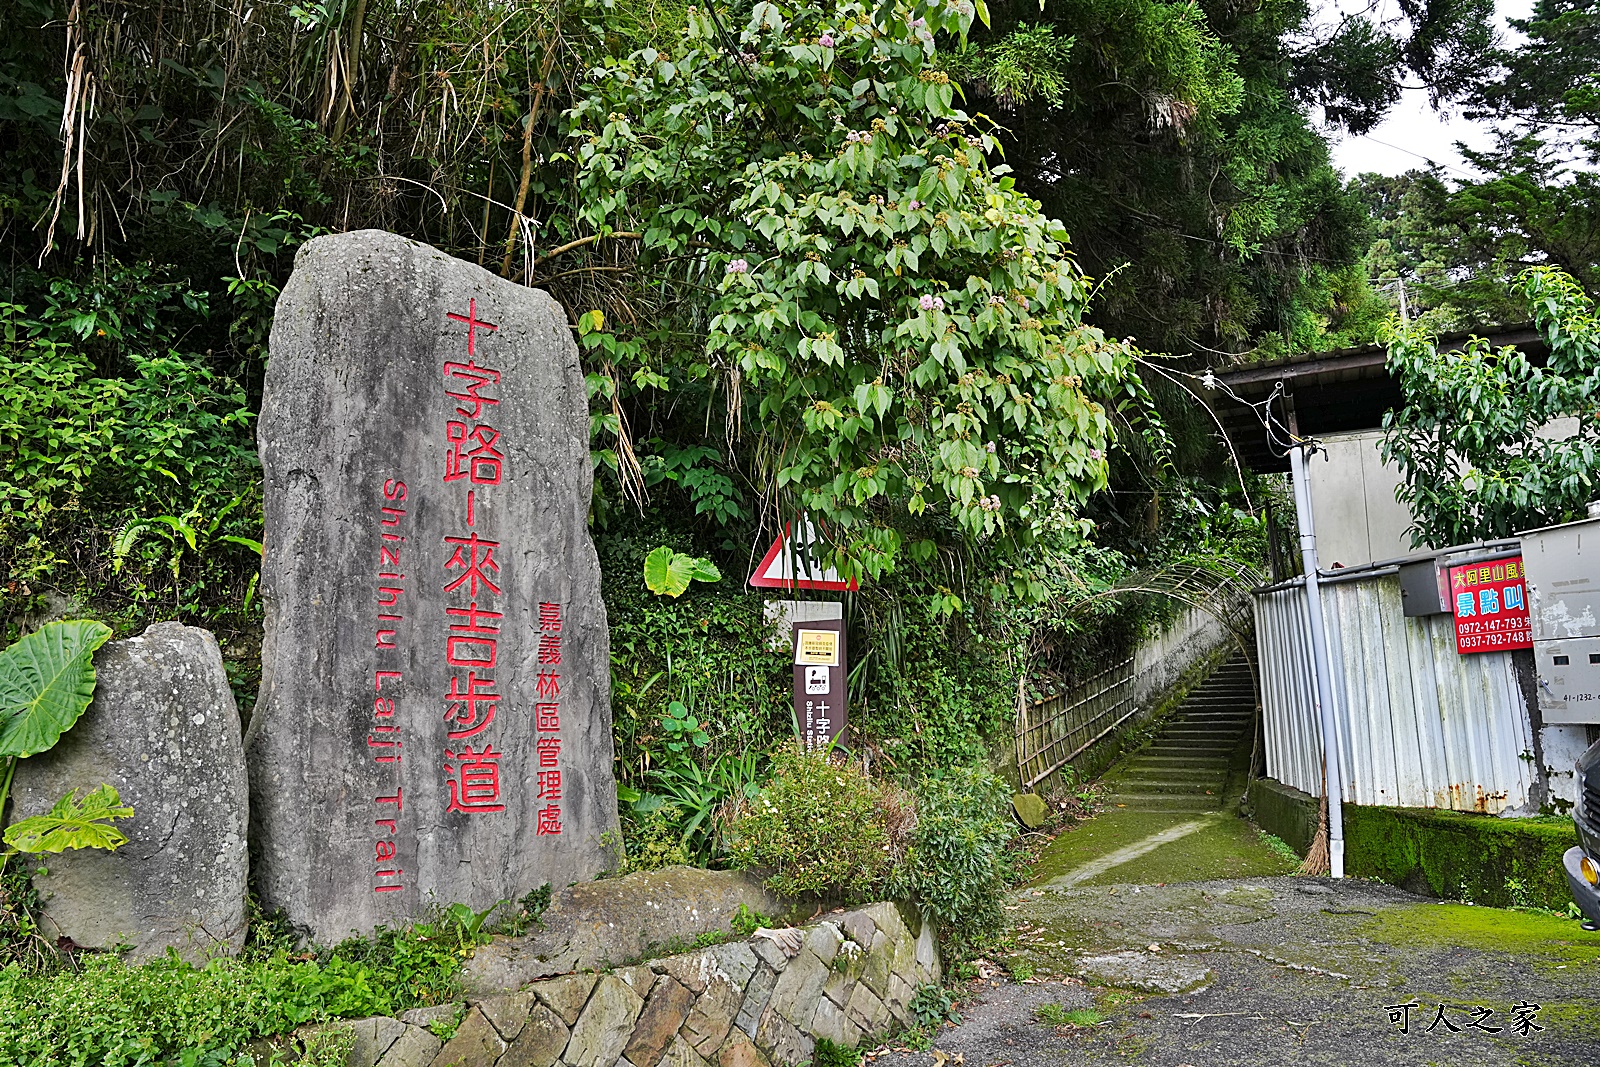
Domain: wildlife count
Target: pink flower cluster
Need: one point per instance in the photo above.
(1095, 453)
(989, 448)
(738, 266)
(997, 301)
(931, 303)
(913, 205)
(826, 41)
(989, 503)
(859, 137)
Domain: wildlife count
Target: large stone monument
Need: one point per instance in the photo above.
(163, 730)
(434, 723)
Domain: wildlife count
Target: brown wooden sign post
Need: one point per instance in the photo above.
(820, 666)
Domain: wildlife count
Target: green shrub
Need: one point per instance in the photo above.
(109, 1014)
(828, 1054)
(957, 866)
(823, 827)
(819, 827)
(655, 841)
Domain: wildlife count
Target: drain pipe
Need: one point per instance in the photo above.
(1319, 654)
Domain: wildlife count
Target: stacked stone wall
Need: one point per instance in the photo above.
(762, 1002)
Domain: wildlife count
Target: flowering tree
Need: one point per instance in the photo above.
(1479, 439)
(898, 326)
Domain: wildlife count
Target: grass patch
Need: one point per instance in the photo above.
(1057, 1015)
(97, 1010)
(1280, 848)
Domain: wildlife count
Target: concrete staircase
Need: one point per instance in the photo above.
(1207, 741)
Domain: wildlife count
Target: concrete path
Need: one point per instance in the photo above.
(1193, 761)
(1283, 971)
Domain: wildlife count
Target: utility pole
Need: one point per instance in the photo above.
(1299, 452)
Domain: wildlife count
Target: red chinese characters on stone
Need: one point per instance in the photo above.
(472, 454)
(547, 720)
(475, 459)
(464, 383)
(474, 557)
(474, 780)
(470, 707)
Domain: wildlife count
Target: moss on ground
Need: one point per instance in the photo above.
(1485, 930)
(1226, 847)
(1103, 834)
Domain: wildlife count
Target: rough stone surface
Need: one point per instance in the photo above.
(606, 1024)
(769, 953)
(785, 1042)
(927, 955)
(708, 1023)
(832, 1023)
(713, 1006)
(414, 1048)
(432, 1013)
(1147, 972)
(639, 978)
(508, 1013)
(665, 1009)
(682, 1054)
(824, 940)
(867, 1011)
(164, 731)
(540, 1041)
(566, 996)
(476, 1044)
(858, 927)
(356, 419)
(880, 962)
(1031, 809)
(740, 1051)
(757, 993)
(369, 1038)
(601, 924)
(798, 990)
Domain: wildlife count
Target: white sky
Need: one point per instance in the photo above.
(1414, 133)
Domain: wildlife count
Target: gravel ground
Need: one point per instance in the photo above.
(1286, 971)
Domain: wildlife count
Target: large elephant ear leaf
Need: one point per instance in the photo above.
(46, 681)
(73, 823)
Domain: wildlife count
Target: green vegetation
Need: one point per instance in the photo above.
(1280, 847)
(828, 1054)
(1054, 1014)
(47, 681)
(103, 1011)
(1554, 939)
(823, 827)
(1223, 847)
(1459, 856)
(1471, 440)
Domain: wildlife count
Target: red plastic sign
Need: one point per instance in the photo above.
(795, 562)
(1491, 606)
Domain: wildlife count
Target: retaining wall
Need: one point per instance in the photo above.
(849, 978)
(1433, 852)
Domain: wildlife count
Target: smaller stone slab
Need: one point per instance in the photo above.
(163, 730)
(593, 925)
(1146, 972)
(1031, 809)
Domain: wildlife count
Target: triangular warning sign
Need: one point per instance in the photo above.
(795, 562)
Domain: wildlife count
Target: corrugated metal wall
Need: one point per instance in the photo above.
(1419, 725)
